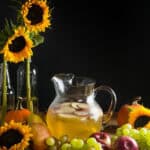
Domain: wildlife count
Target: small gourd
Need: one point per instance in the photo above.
(20, 114)
(135, 114)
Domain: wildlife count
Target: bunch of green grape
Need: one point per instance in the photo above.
(75, 144)
(142, 135)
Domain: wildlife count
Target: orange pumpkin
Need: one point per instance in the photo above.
(135, 114)
(20, 114)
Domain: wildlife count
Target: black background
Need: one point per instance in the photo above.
(106, 40)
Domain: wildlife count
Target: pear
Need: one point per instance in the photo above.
(34, 118)
(40, 133)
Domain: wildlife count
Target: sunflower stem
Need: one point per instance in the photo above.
(28, 85)
(4, 92)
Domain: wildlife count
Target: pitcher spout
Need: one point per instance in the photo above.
(62, 82)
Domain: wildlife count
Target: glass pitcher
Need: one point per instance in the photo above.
(74, 111)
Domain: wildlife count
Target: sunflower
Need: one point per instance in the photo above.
(36, 14)
(14, 136)
(140, 118)
(18, 46)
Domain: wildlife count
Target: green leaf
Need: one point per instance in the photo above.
(32, 34)
(12, 24)
(7, 26)
(15, 8)
(14, 2)
(19, 20)
(2, 35)
(2, 41)
(37, 39)
(8, 30)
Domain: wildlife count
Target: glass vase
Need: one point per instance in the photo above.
(22, 86)
(10, 89)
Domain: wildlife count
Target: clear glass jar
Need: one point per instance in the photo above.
(22, 88)
(10, 89)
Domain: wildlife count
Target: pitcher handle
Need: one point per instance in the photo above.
(107, 116)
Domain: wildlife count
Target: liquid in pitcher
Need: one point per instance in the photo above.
(76, 120)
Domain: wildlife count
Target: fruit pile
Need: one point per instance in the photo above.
(125, 138)
(32, 133)
(133, 133)
(74, 144)
(136, 139)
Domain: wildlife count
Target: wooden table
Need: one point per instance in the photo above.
(112, 125)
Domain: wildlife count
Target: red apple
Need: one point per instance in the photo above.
(125, 143)
(103, 138)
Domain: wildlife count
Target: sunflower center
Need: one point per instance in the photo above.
(17, 44)
(35, 14)
(141, 121)
(10, 137)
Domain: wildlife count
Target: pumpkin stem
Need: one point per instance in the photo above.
(136, 100)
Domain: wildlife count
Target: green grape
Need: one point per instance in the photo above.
(91, 148)
(64, 139)
(114, 138)
(87, 147)
(54, 147)
(91, 141)
(126, 126)
(142, 135)
(93, 144)
(148, 142)
(134, 133)
(143, 131)
(97, 146)
(143, 139)
(119, 131)
(77, 143)
(66, 146)
(58, 143)
(126, 131)
(148, 135)
(50, 141)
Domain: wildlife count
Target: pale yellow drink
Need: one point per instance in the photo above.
(73, 121)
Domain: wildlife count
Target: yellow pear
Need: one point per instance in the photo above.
(40, 134)
(34, 118)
